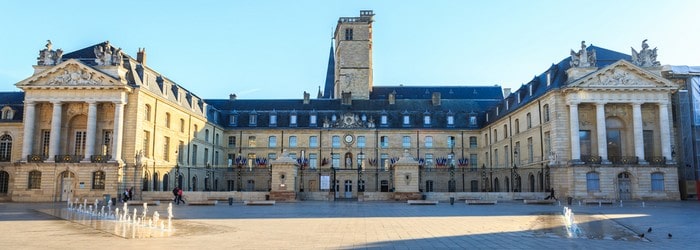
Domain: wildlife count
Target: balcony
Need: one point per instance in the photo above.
(623, 160)
(69, 158)
(100, 158)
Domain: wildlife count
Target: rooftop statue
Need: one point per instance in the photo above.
(583, 58)
(646, 57)
(48, 56)
(106, 55)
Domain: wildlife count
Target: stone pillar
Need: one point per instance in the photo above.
(406, 180)
(91, 128)
(284, 179)
(601, 132)
(117, 133)
(665, 132)
(574, 129)
(28, 140)
(638, 132)
(55, 138)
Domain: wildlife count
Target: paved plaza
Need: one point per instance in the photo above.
(369, 225)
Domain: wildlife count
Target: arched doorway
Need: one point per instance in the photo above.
(507, 184)
(531, 182)
(67, 185)
(194, 183)
(4, 182)
(624, 185)
(613, 130)
(166, 181)
(496, 185)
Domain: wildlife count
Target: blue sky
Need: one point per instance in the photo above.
(279, 49)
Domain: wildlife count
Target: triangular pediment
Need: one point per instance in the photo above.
(622, 75)
(70, 74)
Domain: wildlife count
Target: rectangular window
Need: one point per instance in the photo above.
(384, 120)
(34, 181)
(194, 154)
(251, 142)
(426, 120)
(472, 120)
(272, 142)
(473, 161)
(495, 157)
(98, 180)
(657, 182)
(428, 141)
(231, 141)
(547, 144)
(361, 141)
(313, 161)
(179, 152)
(406, 120)
(216, 158)
(336, 141)
(530, 150)
(80, 137)
(384, 161)
(516, 151)
(312, 120)
(529, 120)
(335, 163)
(293, 120)
(313, 141)
(232, 120)
(384, 142)
(107, 142)
(472, 142)
(273, 120)
(592, 182)
(146, 144)
(450, 120)
(206, 156)
(585, 142)
(292, 141)
(450, 142)
(231, 157)
(167, 120)
(505, 155)
(253, 120)
(648, 138)
(166, 148)
(406, 142)
(429, 160)
(45, 142)
(272, 156)
(348, 34)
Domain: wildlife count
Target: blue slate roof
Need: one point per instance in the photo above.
(329, 88)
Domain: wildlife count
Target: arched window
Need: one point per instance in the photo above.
(145, 182)
(98, 180)
(4, 182)
(545, 112)
(7, 113)
(166, 182)
(5, 148)
(657, 181)
(155, 182)
(592, 182)
(34, 181)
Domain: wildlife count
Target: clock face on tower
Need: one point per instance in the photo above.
(349, 139)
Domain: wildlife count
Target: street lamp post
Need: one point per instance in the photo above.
(451, 161)
(360, 170)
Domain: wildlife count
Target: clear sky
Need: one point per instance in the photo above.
(278, 49)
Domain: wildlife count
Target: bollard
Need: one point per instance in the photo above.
(452, 201)
(600, 204)
(642, 204)
(620, 203)
(230, 201)
(579, 203)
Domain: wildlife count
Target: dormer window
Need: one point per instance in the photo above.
(529, 89)
(273, 119)
(472, 120)
(7, 113)
(406, 119)
(293, 119)
(253, 121)
(364, 118)
(233, 119)
(313, 120)
(426, 119)
(334, 118)
(384, 120)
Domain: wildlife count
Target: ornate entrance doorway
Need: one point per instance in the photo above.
(67, 184)
(624, 186)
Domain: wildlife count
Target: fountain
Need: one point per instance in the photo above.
(571, 228)
(124, 223)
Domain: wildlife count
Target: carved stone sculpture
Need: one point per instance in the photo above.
(48, 56)
(646, 57)
(583, 58)
(106, 55)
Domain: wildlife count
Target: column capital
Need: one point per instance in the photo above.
(662, 103)
(32, 103)
(573, 102)
(600, 103)
(93, 102)
(56, 102)
(637, 103)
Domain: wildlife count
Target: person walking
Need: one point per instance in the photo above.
(179, 196)
(551, 195)
(175, 195)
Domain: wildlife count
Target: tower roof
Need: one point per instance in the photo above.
(328, 89)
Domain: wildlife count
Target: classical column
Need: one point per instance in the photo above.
(28, 140)
(91, 128)
(638, 132)
(665, 132)
(602, 133)
(55, 138)
(117, 133)
(574, 130)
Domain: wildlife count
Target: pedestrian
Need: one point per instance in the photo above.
(551, 195)
(126, 196)
(175, 195)
(131, 193)
(179, 196)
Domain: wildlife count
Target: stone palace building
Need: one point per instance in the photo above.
(93, 122)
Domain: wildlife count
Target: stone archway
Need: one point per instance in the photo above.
(66, 186)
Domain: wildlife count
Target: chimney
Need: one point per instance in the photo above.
(392, 98)
(306, 97)
(436, 98)
(141, 56)
(506, 92)
(232, 97)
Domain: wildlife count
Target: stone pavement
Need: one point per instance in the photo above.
(367, 225)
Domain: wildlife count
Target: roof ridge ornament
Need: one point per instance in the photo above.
(49, 57)
(106, 55)
(583, 58)
(646, 57)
